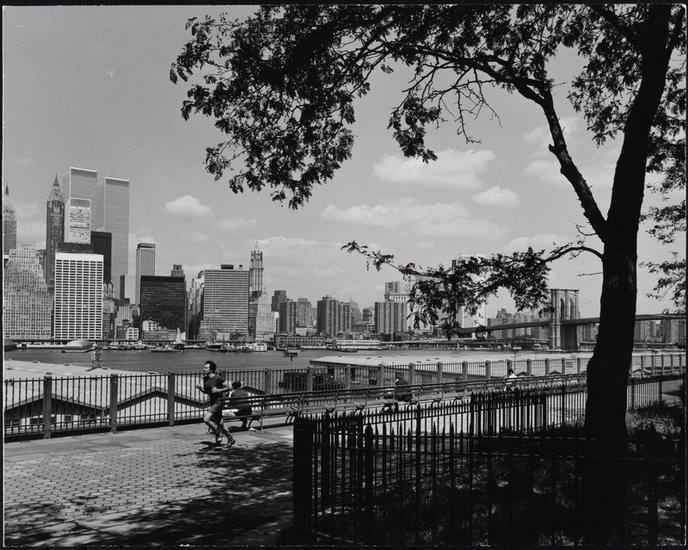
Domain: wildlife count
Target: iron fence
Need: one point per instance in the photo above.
(477, 471)
(49, 405)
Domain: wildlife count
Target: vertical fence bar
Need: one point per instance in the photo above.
(171, 389)
(347, 377)
(267, 381)
(529, 367)
(440, 376)
(309, 379)
(411, 374)
(546, 366)
(487, 370)
(114, 384)
(47, 406)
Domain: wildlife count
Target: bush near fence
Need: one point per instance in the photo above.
(496, 470)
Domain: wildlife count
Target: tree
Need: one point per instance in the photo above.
(282, 86)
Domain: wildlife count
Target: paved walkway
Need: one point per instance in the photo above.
(168, 485)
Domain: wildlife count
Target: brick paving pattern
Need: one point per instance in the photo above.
(169, 485)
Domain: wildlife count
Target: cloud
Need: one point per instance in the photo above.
(536, 242)
(452, 169)
(285, 247)
(189, 207)
(425, 245)
(546, 171)
(198, 237)
(110, 73)
(462, 227)
(239, 223)
(541, 138)
(496, 196)
(401, 212)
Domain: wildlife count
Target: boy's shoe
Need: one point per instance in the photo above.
(230, 442)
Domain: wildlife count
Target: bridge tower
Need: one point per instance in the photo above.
(564, 303)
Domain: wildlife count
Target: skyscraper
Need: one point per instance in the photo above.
(304, 313)
(9, 224)
(77, 227)
(333, 316)
(116, 222)
(177, 271)
(287, 317)
(81, 183)
(101, 243)
(78, 303)
(26, 303)
(390, 317)
(265, 320)
(54, 230)
(278, 297)
(163, 300)
(255, 273)
(145, 265)
(225, 303)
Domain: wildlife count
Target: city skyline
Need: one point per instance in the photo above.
(122, 118)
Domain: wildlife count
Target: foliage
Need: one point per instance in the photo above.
(282, 85)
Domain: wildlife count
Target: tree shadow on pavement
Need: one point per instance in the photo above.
(247, 490)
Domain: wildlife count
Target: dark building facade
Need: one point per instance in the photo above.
(54, 231)
(101, 243)
(278, 297)
(163, 300)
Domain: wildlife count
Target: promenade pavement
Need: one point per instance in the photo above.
(159, 486)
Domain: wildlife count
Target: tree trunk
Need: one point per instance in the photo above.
(605, 477)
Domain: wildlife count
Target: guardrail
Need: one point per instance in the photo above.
(98, 403)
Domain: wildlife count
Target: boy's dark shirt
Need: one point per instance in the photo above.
(210, 382)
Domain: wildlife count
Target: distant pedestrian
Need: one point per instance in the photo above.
(402, 391)
(214, 387)
(511, 379)
(238, 398)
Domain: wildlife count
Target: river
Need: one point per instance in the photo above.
(193, 359)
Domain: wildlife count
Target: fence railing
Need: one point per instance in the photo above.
(475, 471)
(53, 405)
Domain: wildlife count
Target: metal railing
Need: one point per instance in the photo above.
(86, 403)
(477, 471)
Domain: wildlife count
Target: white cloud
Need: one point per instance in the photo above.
(239, 223)
(496, 196)
(546, 171)
(541, 138)
(462, 227)
(425, 245)
(188, 206)
(536, 242)
(401, 212)
(452, 169)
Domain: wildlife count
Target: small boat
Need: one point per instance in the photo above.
(213, 347)
(80, 345)
(160, 349)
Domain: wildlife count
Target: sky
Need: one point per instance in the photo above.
(88, 86)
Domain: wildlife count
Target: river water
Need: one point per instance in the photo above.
(193, 359)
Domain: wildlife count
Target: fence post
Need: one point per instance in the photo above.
(309, 379)
(347, 377)
(487, 370)
(368, 479)
(380, 374)
(642, 364)
(546, 366)
(114, 383)
(440, 376)
(170, 398)
(563, 365)
(508, 365)
(267, 386)
(412, 374)
(529, 367)
(464, 371)
(652, 488)
(632, 393)
(47, 406)
(578, 365)
(303, 470)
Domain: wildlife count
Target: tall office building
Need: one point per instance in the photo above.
(278, 297)
(195, 305)
(255, 273)
(304, 313)
(80, 183)
(78, 302)
(265, 319)
(287, 317)
(77, 227)
(9, 224)
(54, 230)
(145, 265)
(390, 317)
(163, 300)
(116, 222)
(177, 271)
(26, 302)
(225, 303)
(333, 316)
(101, 243)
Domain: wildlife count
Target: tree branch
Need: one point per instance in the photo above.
(623, 29)
(567, 250)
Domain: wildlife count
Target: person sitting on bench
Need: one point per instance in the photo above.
(237, 399)
(402, 392)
